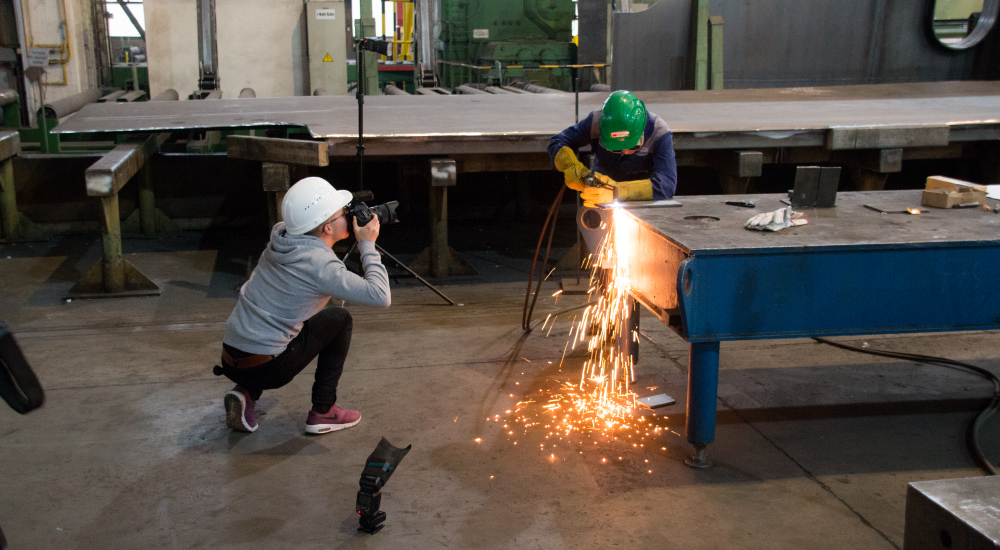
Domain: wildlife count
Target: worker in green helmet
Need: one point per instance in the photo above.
(633, 153)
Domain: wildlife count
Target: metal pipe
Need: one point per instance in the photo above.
(392, 90)
(600, 88)
(321, 91)
(113, 96)
(131, 96)
(466, 89)
(69, 105)
(247, 93)
(8, 96)
(535, 89)
(214, 94)
(169, 94)
(497, 90)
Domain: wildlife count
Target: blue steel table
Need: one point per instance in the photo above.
(850, 271)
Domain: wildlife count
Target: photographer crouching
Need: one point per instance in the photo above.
(282, 321)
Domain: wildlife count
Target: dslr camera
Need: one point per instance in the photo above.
(357, 209)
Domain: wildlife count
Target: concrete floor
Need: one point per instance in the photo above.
(814, 446)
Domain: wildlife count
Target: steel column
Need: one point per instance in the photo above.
(703, 390)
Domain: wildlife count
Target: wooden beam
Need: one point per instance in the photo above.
(108, 175)
(275, 176)
(888, 137)
(288, 151)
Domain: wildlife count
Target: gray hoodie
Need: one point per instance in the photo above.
(294, 279)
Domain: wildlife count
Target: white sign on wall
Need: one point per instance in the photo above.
(480, 33)
(326, 14)
(38, 57)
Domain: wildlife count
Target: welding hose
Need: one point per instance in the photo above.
(973, 431)
(528, 310)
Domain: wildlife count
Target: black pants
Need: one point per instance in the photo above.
(326, 334)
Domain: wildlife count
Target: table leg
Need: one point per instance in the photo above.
(703, 390)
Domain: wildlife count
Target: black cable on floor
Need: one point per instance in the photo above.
(527, 311)
(973, 432)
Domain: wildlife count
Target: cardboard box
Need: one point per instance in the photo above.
(942, 192)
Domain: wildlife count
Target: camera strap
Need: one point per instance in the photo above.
(19, 386)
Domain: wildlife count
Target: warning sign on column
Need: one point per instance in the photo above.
(327, 58)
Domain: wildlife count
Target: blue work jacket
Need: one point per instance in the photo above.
(653, 161)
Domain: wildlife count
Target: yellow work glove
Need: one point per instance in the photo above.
(597, 195)
(634, 190)
(573, 170)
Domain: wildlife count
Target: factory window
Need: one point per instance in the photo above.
(126, 41)
(961, 24)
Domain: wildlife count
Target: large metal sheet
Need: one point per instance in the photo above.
(775, 115)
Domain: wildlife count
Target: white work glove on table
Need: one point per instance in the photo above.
(775, 221)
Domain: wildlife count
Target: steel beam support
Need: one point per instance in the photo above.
(108, 175)
(111, 244)
(701, 45)
(702, 395)
(715, 51)
(208, 51)
(113, 276)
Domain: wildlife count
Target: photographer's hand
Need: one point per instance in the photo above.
(367, 232)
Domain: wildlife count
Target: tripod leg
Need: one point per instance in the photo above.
(419, 278)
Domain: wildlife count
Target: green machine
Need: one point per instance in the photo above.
(527, 37)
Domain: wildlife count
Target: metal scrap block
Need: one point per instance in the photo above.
(953, 513)
(443, 172)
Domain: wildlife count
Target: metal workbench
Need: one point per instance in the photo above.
(850, 270)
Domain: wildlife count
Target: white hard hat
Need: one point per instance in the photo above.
(310, 202)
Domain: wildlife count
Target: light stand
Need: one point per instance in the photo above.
(380, 47)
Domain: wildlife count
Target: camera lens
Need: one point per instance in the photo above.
(386, 213)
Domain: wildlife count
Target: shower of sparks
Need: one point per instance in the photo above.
(598, 403)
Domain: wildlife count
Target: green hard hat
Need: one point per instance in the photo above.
(623, 120)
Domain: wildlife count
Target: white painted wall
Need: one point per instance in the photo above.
(42, 21)
(261, 44)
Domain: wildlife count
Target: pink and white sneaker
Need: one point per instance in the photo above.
(335, 419)
(240, 409)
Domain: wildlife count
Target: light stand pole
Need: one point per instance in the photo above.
(381, 47)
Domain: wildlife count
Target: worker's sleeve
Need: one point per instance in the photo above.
(574, 137)
(373, 289)
(664, 175)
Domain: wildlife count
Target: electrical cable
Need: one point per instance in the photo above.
(973, 430)
(527, 311)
